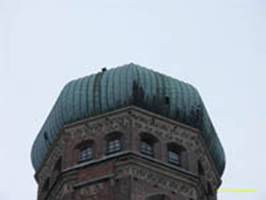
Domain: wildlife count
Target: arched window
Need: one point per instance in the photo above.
(147, 144)
(114, 143)
(158, 197)
(85, 151)
(174, 154)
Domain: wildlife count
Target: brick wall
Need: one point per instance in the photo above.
(127, 174)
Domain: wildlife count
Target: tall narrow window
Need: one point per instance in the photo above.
(174, 157)
(146, 147)
(85, 153)
(147, 144)
(174, 154)
(114, 143)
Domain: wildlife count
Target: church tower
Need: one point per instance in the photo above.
(128, 133)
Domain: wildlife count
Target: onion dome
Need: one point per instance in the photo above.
(121, 87)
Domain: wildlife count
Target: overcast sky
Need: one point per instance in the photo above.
(218, 46)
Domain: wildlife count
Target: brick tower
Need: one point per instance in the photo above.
(128, 133)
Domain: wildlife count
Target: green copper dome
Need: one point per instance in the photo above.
(120, 87)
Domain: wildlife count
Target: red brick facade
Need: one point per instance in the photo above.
(128, 173)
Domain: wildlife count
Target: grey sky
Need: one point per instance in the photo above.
(218, 46)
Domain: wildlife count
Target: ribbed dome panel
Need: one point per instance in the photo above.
(120, 87)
